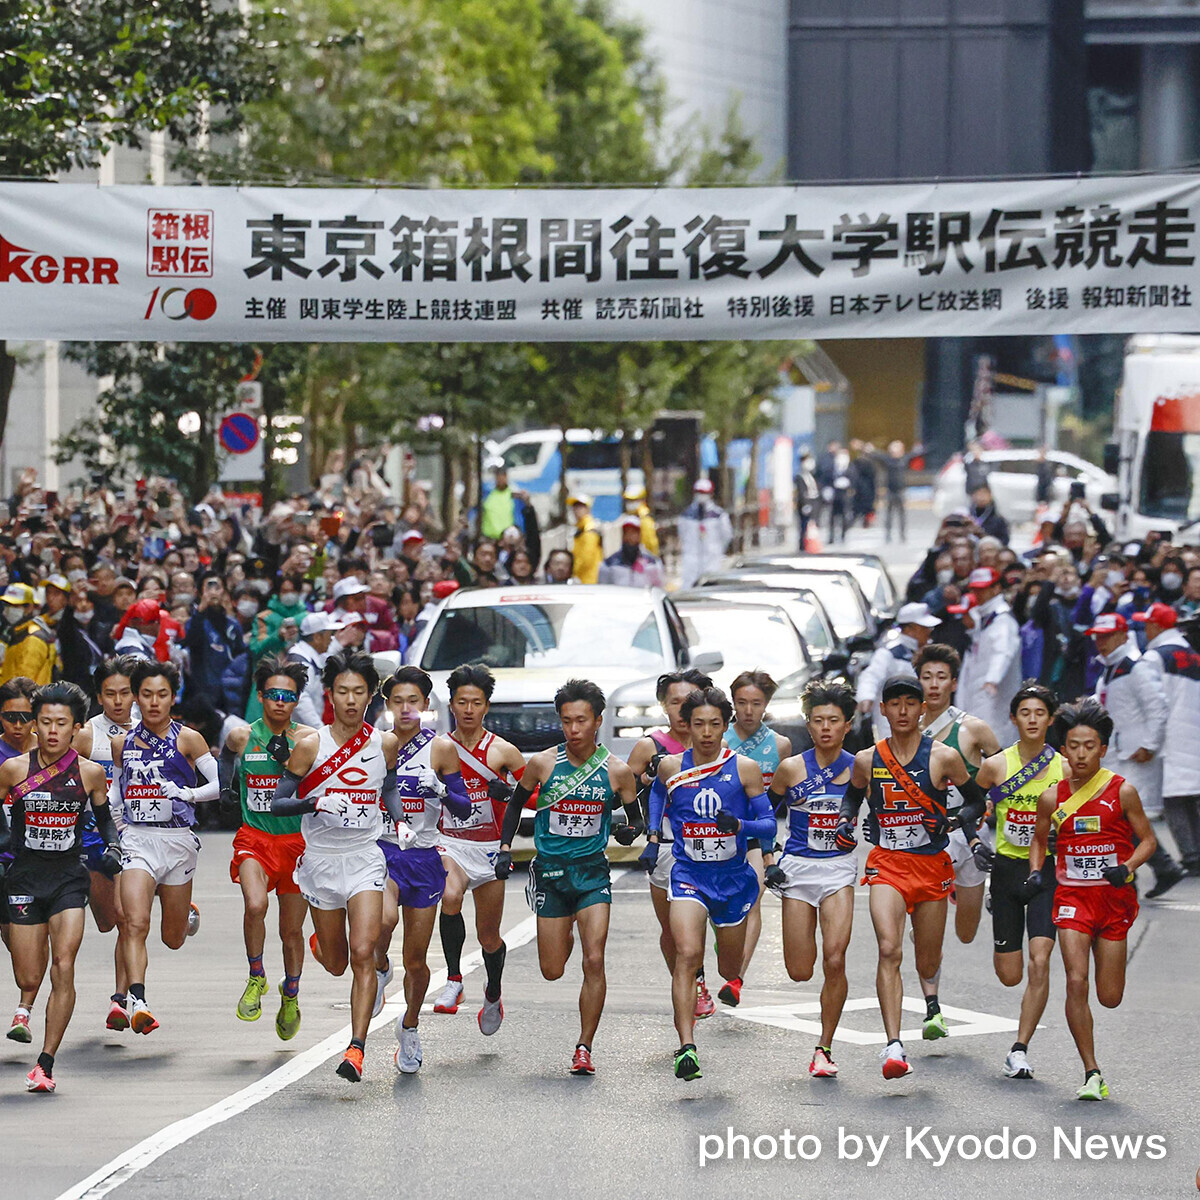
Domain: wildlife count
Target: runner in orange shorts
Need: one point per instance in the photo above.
(904, 780)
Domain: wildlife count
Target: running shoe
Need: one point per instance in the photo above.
(490, 1015)
(193, 920)
(351, 1066)
(141, 1019)
(315, 947)
(731, 993)
(408, 1053)
(20, 1031)
(451, 997)
(822, 1065)
(687, 1064)
(1094, 1087)
(935, 1027)
(704, 1002)
(249, 1007)
(117, 1018)
(581, 1062)
(287, 1019)
(895, 1063)
(380, 993)
(1016, 1065)
(38, 1081)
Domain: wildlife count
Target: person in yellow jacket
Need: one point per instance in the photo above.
(28, 642)
(588, 547)
(635, 503)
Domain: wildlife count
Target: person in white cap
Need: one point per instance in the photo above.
(351, 598)
(632, 565)
(588, 547)
(704, 535)
(991, 668)
(312, 649)
(893, 656)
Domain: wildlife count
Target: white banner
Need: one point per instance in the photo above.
(1087, 255)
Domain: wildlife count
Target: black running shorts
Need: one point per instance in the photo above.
(1012, 918)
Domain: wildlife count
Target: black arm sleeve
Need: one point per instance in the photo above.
(105, 826)
(851, 803)
(974, 805)
(779, 802)
(285, 802)
(512, 814)
(227, 764)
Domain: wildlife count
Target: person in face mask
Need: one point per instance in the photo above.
(1188, 605)
(1170, 580)
(183, 589)
(245, 606)
(28, 643)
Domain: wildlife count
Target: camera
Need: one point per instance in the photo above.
(1078, 488)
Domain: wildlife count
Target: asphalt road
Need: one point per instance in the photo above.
(494, 1116)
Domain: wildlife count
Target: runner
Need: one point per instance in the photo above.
(1015, 780)
(156, 768)
(904, 778)
(671, 691)
(714, 802)
(49, 790)
(94, 741)
(428, 779)
(937, 669)
(814, 877)
(267, 848)
(569, 882)
(339, 779)
(750, 736)
(469, 845)
(1102, 837)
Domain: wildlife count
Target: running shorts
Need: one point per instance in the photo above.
(419, 874)
(477, 859)
(966, 872)
(1100, 912)
(1012, 917)
(38, 890)
(560, 887)
(276, 853)
(917, 877)
(814, 880)
(168, 856)
(329, 880)
(728, 894)
(660, 877)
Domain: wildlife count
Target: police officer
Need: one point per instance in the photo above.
(894, 656)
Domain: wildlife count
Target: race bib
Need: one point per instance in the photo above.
(259, 790)
(410, 797)
(1019, 824)
(47, 830)
(576, 818)
(902, 831)
(822, 821)
(478, 816)
(146, 804)
(364, 810)
(1090, 866)
(704, 842)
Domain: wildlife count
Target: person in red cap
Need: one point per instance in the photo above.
(1177, 667)
(633, 565)
(991, 668)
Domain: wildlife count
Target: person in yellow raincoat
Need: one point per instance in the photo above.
(635, 503)
(28, 641)
(588, 547)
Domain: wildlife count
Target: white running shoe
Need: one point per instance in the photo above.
(408, 1053)
(381, 982)
(389, 974)
(490, 1015)
(895, 1061)
(450, 998)
(1016, 1065)
(193, 920)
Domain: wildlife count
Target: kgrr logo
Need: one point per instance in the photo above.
(18, 265)
(177, 304)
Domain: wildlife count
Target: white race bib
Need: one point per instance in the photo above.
(1089, 866)
(364, 808)
(822, 821)
(576, 818)
(47, 830)
(145, 803)
(704, 842)
(478, 816)
(902, 831)
(259, 790)
(1019, 824)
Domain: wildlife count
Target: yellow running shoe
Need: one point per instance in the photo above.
(249, 1007)
(287, 1020)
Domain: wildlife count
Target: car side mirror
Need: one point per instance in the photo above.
(1110, 501)
(710, 661)
(1112, 458)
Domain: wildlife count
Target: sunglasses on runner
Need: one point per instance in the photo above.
(281, 695)
(17, 718)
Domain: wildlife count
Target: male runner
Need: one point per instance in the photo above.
(750, 736)
(156, 768)
(672, 690)
(1102, 837)
(714, 802)
(1015, 780)
(339, 779)
(94, 741)
(814, 877)
(267, 848)
(469, 845)
(49, 790)
(904, 778)
(569, 882)
(428, 779)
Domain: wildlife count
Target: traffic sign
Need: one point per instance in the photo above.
(238, 433)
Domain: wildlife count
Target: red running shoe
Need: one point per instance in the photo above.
(581, 1064)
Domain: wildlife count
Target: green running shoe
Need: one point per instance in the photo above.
(249, 1007)
(687, 1064)
(287, 1020)
(1094, 1088)
(934, 1028)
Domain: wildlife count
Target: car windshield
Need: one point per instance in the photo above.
(805, 615)
(1170, 468)
(546, 633)
(746, 637)
(835, 592)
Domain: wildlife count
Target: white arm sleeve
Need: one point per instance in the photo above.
(210, 789)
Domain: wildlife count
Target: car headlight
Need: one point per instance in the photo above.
(641, 712)
(786, 710)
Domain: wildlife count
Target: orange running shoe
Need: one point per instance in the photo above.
(351, 1066)
(581, 1064)
(141, 1020)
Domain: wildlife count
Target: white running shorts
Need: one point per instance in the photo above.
(168, 856)
(328, 881)
(814, 880)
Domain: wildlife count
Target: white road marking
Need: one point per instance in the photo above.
(963, 1022)
(126, 1165)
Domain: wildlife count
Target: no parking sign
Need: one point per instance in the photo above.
(239, 447)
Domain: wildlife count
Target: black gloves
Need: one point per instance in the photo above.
(726, 822)
(504, 864)
(775, 877)
(499, 790)
(627, 834)
(844, 837)
(110, 862)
